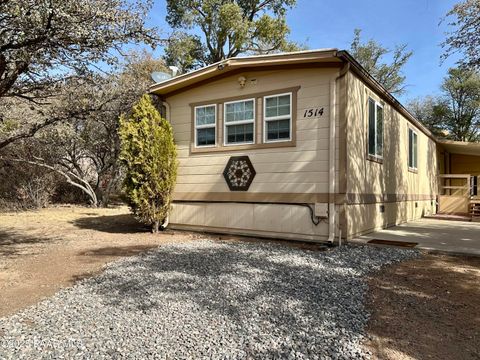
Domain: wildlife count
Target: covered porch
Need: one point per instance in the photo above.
(459, 179)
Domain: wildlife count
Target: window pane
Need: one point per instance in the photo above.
(271, 111)
(278, 129)
(210, 111)
(277, 106)
(379, 131)
(415, 153)
(284, 110)
(229, 116)
(205, 115)
(239, 111)
(271, 102)
(239, 133)
(238, 107)
(410, 148)
(206, 136)
(371, 127)
(284, 100)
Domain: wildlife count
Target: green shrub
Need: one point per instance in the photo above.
(149, 155)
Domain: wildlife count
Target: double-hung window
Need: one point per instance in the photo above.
(277, 113)
(412, 149)
(239, 119)
(375, 129)
(205, 125)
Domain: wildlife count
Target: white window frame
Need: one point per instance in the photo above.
(205, 126)
(242, 122)
(377, 105)
(276, 118)
(414, 135)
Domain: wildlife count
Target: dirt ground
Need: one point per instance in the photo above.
(43, 251)
(428, 308)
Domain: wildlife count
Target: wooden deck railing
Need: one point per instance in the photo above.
(454, 184)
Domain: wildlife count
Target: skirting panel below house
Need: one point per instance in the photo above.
(365, 218)
(266, 220)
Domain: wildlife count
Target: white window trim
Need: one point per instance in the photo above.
(242, 122)
(414, 168)
(377, 104)
(205, 126)
(273, 118)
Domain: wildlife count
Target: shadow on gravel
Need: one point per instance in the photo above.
(115, 224)
(13, 243)
(263, 292)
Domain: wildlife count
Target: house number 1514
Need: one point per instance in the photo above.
(314, 112)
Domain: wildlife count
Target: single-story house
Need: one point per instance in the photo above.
(305, 145)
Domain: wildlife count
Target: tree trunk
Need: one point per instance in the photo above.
(68, 176)
(155, 226)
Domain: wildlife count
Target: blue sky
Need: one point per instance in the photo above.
(330, 23)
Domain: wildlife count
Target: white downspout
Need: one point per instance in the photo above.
(167, 111)
(331, 153)
(167, 116)
(331, 161)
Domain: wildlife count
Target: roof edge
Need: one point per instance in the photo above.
(344, 56)
(236, 62)
(370, 80)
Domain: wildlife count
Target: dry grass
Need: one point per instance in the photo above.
(43, 251)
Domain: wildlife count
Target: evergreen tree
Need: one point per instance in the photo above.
(149, 154)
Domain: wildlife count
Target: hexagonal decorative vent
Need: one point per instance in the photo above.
(239, 173)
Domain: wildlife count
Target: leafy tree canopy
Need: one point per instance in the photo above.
(228, 28)
(371, 54)
(456, 113)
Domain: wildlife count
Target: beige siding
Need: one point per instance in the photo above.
(390, 177)
(465, 164)
(296, 169)
(303, 168)
(305, 163)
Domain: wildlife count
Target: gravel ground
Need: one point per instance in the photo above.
(208, 299)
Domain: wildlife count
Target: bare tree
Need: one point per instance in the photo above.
(465, 36)
(83, 145)
(44, 43)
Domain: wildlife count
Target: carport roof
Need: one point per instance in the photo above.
(461, 147)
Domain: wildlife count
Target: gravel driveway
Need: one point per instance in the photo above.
(207, 299)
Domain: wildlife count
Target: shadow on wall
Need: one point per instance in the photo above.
(115, 224)
(392, 176)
